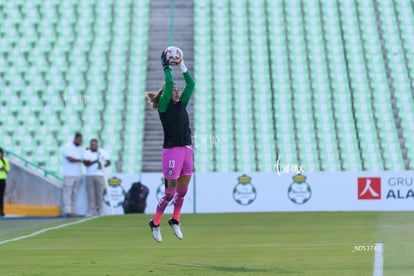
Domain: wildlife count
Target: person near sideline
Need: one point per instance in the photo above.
(95, 159)
(72, 173)
(4, 170)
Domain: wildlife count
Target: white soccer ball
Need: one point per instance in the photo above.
(174, 55)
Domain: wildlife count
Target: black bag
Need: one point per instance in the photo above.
(136, 199)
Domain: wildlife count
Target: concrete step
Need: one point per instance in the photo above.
(158, 40)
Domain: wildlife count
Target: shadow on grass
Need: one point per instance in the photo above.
(221, 268)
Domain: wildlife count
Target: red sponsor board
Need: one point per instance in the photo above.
(369, 188)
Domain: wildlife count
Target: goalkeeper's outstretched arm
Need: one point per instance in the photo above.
(189, 84)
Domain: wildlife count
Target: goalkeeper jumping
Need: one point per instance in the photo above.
(177, 156)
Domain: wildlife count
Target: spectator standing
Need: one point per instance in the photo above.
(95, 159)
(72, 173)
(4, 170)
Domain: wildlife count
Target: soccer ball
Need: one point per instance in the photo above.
(174, 55)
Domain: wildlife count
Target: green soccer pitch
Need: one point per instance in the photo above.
(334, 243)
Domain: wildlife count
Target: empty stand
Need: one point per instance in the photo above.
(73, 66)
(324, 76)
(325, 84)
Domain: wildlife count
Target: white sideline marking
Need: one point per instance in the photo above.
(378, 259)
(45, 230)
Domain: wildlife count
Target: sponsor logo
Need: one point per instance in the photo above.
(299, 192)
(369, 188)
(400, 188)
(396, 188)
(244, 193)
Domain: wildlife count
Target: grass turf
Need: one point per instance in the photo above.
(218, 244)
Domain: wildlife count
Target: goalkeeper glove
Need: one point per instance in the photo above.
(182, 66)
(164, 61)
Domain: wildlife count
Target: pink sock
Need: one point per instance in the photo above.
(157, 218)
(178, 202)
(176, 214)
(162, 204)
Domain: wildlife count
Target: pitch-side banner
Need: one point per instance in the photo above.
(154, 181)
(119, 184)
(269, 192)
(117, 187)
(321, 191)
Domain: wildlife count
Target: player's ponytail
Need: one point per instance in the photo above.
(154, 98)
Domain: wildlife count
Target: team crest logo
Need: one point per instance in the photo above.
(170, 171)
(299, 191)
(244, 193)
(116, 192)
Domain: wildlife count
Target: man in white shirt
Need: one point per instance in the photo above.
(94, 159)
(72, 173)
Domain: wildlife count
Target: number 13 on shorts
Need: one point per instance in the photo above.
(171, 163)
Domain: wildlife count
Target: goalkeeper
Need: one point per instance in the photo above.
(177, 153)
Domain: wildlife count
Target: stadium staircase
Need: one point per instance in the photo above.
(162, 33)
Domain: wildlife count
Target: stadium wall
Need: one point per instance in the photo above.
(231, 192)
(319, 191)
(273, 192)
(30, 193)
